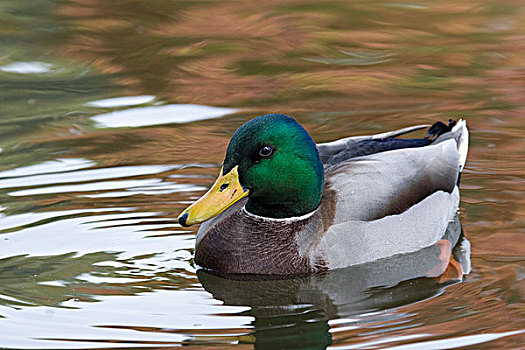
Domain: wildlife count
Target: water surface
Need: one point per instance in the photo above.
(115, 115)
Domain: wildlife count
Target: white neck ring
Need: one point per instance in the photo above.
(284, 220)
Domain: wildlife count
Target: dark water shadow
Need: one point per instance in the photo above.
(293, 313)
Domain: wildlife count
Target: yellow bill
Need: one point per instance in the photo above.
(225, 191)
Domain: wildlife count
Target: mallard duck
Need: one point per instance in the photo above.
(284, 205)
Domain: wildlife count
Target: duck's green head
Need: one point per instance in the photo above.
(272, 160)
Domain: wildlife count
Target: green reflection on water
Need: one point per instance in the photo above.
(54, 95)
(56, 279)
(24, 278)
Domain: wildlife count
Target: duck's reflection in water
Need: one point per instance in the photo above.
(294, 312)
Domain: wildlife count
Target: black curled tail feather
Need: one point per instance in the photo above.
(438, 128)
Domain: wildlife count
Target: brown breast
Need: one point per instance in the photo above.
(245, 244)
(239, 243)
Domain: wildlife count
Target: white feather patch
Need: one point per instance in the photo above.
(462, 143)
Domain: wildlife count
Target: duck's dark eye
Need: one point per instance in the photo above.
(265, 151)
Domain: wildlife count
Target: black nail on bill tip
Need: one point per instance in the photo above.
(182, 220)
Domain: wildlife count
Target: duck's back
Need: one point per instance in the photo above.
(388, 183)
